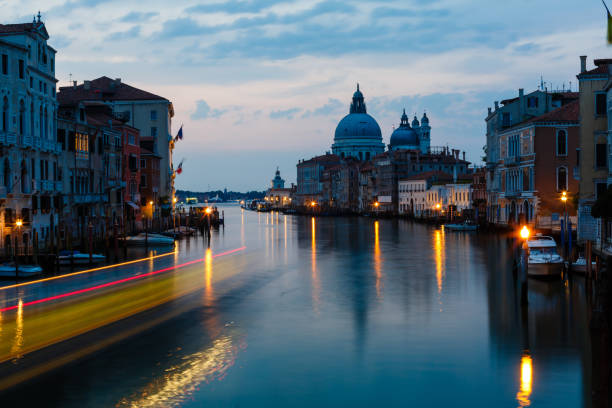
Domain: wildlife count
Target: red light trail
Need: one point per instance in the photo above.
(108, 284)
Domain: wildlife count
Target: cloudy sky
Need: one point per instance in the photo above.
(263, 83)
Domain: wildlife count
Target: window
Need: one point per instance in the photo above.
(601, 155)
(600, 104)
(143, 164)
(21, 69)
(4, 64)
(153, 131)
(561, 143)
(562, 179)
(532, 102)
(5, 114)
(131, 139)
(577, 157)
(132, 163)
(153, 115)
(81, 145)
(82, 114)
(600, 188)
(506, 119)
(31, 83)
(143, 181)
(52, 64)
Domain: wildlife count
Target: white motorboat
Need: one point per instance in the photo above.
(465, 226)
(150, 240)
(78, 258)
(544, 260)
(7, 270)
(580, 264)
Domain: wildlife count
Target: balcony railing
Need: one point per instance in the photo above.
(11, 138)
(3, 192)
(59, 186)
(514, 159)
(36, 143)
(2, 138)
(26, 140)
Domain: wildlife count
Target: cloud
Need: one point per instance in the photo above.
(284, 114)
(235, 6)
(385, 12)
(136, 16)
(203, 111)
(333, 106)
(132, 33)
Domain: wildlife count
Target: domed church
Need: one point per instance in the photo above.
(416, 137)
(358, 135)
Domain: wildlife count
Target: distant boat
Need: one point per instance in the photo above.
(215, 199)
(544, 260)
(7, 270)
(580, 265)
(152, 240)
(465, 226)
(78, 258)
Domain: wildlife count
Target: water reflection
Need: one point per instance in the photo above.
(377, 260)
(439, 253)
(180, 381)
(208, 275)
(18, 340)
(316, 285)
(524, 393)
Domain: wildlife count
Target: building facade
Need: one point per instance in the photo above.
(30, 165)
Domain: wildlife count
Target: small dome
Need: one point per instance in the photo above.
(404, 138)
(415, 122)
(424, 119)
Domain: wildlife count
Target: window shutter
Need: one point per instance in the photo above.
(71, 141)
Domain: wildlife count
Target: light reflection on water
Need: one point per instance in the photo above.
(526, 380)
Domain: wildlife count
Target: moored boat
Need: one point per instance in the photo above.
(150, 240)
(544, 260)
(580, 265)
(7, 270)
(78, 258)
(465, 226)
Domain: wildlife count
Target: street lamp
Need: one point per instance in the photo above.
(525, 232)
(564, 200)
(18, 224)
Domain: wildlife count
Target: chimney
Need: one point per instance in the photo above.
(521, 103)
(496, 105)
(117, 81)
(489, 108)
(583, 63)
(463, 156)
(74, 84)
(87, 85)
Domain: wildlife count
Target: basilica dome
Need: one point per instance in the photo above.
(358, 134)
(404, 137)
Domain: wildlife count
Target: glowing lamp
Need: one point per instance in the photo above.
(564, 196)
(438, 206)
(19, 223)
(525, 232)
(376, 204)
(313, 203)
(150, 202)
(208, 210)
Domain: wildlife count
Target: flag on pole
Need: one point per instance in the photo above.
(179, 135)
(179, 169)
(609, 22)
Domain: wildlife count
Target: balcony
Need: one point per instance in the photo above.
(59, 186)
(36, 143)
(2, 138)
(11, 138)
(26, 140)
(47, 185)
(576, 173)
(2, 192)
(512, 160)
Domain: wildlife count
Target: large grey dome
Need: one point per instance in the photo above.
(358, 126)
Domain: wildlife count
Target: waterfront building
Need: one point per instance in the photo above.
(415, 137)
(358, 134)
(506, 114)
(593, 153)
(310, 178)
(30, 165)
(533, 175)
(341, 186)
(277, 195)
(412, 193)
(479, 192)
(91, 142)
(149, 113)
(149, 173)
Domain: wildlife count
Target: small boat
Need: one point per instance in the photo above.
(78, 258)
(465, 226)
(544, 260)
(7, 270)
(580, 264)
(151, 240)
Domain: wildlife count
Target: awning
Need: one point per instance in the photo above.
(134, 206)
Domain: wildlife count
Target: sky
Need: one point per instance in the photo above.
(258, 84)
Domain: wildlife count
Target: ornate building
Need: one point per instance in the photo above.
(358, 134)
(416, 137)
(277, 181)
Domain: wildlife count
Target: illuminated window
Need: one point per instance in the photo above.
(81, 146)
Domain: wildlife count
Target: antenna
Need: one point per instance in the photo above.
(70, 80)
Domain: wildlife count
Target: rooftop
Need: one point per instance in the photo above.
(105, 89)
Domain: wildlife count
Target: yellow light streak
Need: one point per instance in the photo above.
(316, 285)
(526, 381)
(439, 258)
(101, 268)
(377, 262)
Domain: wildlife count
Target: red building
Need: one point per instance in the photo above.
(131, 175)
(149, 175)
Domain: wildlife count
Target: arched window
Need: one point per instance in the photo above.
(21, 118)
(32, 119)
(24, 177)
(6, 174)
(40, 122)
(561, 143)
(46, 124)
(5, 114)
(561, 178)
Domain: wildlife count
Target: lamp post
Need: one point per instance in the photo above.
(18, 224)
(438, 207)
(174, 214)
(313, 204)
(524, 233)
(376, 205)
(208, 212)
(564, 200)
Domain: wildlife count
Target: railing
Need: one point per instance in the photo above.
(47, 185)
(26, 140)
(36, 143)
(59, 186)
(514, 159)
(3, 192)
(11, 138)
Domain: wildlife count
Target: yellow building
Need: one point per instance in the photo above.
(592, 155)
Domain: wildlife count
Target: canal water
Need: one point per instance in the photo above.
(339, 312)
